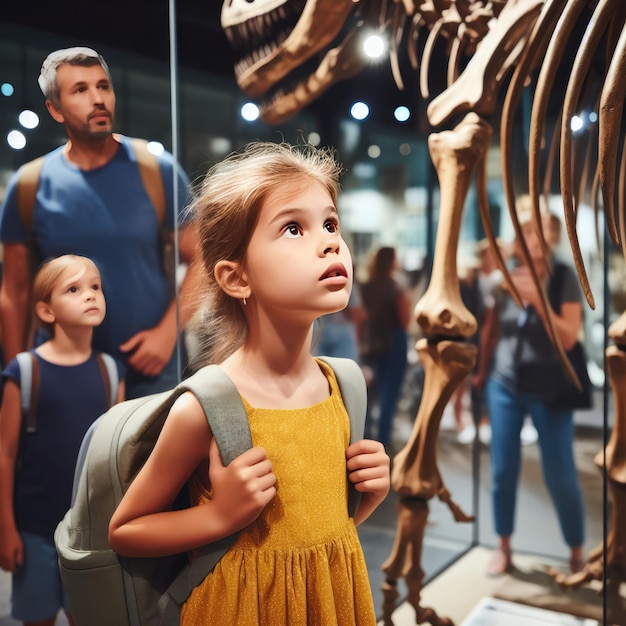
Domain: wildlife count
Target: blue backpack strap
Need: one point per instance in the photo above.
(110, 375)
(354, 394)
(29, 388)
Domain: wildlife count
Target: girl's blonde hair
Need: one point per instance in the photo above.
(226, 211)
(49, 274)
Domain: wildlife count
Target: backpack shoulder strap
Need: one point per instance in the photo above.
(224, 409)
(110, 376)
(29, 388)
(150, 176)
(152, 180)
(354, 393)
(27, 184)
(228, 420)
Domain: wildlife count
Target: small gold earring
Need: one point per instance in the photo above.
(244, 301)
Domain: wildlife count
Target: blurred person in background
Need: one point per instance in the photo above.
(384, 337)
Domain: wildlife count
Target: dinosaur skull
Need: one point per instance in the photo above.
(273, 38)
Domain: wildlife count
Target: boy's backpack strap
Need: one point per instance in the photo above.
(228, 420)
(354, 393)
(29, 388)
(110, 375)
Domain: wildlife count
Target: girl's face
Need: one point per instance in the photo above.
(77, 298)
(297, 263)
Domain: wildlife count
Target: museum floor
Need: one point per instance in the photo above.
(454, 555)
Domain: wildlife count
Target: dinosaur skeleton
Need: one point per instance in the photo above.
(291, 52)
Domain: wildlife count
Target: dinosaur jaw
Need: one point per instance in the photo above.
(279, 40)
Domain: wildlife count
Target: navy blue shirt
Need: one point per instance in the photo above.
(71, 398)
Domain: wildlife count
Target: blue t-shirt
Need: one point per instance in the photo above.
(104, 214)
(70, 399)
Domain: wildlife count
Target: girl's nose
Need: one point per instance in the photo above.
(331, 245)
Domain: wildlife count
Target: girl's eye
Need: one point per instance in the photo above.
(73, 289)
(95, 287)
(332, 226)
(292, 231)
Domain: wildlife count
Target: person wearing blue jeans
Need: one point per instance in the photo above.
(512, 333)
(507, 410)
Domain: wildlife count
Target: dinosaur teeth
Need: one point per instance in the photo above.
(258, 36)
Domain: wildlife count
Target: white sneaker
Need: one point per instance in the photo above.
(467, 435)
(528, 435)
(484, 434)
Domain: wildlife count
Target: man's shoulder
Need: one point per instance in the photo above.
(53, 156)
(133, 144)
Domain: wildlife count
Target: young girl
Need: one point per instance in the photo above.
(275, 262)
(37, 465)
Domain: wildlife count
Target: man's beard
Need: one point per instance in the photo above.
(93, 132)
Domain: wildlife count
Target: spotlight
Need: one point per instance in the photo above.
(28, 119)
(156, 147)
(576, 123)
(373, 152)
(16, 139)
(250, 112)
(402, 113)
(374, 46)
(359, 110)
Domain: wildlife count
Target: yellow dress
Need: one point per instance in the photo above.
(300, 563)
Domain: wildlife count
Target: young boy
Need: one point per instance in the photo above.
(38, 451)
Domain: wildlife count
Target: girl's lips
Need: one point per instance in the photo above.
(336, 269)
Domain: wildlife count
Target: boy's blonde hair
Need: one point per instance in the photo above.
(226, 212)
(49, 273)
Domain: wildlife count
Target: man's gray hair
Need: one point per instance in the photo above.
(78, 55)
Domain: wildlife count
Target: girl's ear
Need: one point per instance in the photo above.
(44, 312)
(230, 277)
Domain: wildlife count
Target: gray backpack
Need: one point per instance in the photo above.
(104, 589)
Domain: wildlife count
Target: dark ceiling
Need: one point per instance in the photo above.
(140, 26)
